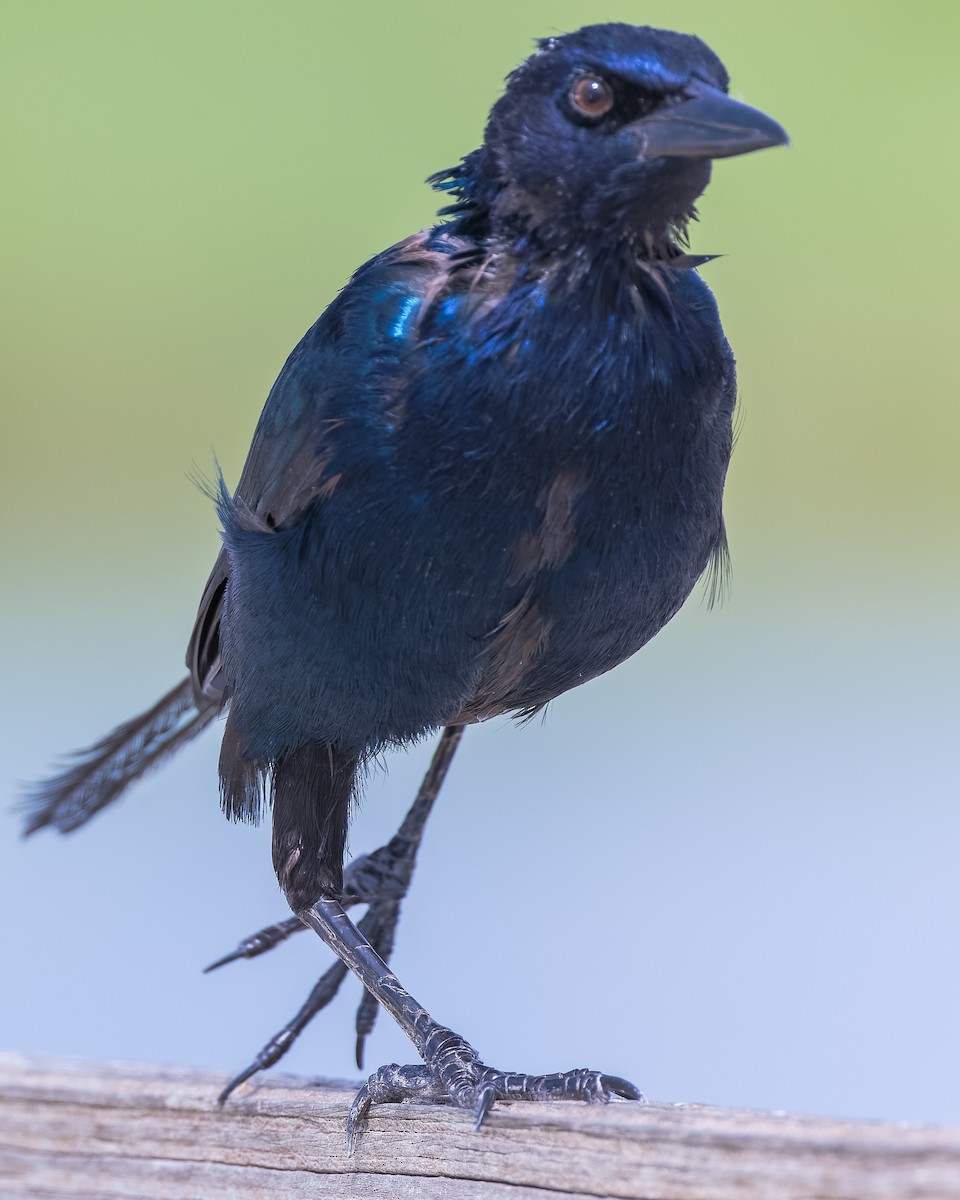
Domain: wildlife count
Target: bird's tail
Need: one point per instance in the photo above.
(96, 776)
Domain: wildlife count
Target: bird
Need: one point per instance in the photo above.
(491, 471)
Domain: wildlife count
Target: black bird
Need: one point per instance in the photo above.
(492, 470)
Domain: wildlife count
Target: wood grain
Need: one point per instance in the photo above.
(90, 1131)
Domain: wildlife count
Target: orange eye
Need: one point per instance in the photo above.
(591, 95)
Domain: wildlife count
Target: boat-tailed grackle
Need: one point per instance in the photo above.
(492, 470)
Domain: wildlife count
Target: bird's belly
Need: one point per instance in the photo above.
(365, 632)
(374, 622)
(584, 618)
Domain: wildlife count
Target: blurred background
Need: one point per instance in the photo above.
(728, 870)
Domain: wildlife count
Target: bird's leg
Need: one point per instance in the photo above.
(380, 879)
(452, 1069)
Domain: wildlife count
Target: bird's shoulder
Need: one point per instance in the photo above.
(342, 368)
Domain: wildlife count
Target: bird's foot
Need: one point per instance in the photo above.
(379, 880)
(378, 925)
(452, 1071)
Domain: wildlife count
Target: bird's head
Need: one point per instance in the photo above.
(606, 133)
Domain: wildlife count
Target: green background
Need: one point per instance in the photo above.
(737, 854)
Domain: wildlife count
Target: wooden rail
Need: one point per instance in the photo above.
(94, 1131)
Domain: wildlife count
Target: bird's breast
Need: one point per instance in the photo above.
(512, 505)
(584, 462)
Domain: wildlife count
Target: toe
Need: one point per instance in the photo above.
(357, 1120)
(614, 1085)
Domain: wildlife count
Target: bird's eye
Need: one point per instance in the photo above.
(591, 96)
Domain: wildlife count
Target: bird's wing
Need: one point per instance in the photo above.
(203, 649)
(352, 349)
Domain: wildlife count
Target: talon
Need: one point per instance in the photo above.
(623, 1088)
(357, 1119)
(260, 942)
(222, 962)
(235, 1083)
(487, 1097)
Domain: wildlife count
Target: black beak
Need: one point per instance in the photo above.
(707, 124)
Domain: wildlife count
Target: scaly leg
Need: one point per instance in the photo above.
(381, 880)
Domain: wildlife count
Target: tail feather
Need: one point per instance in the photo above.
(98, 775)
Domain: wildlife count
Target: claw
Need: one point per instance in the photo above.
(260, 942)
(222, 962)
(269, 1056)
(487, 1097)
(357, 1120)
(235, 1083)
(623, 1088)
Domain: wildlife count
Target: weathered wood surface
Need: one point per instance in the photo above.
(94, 1131)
